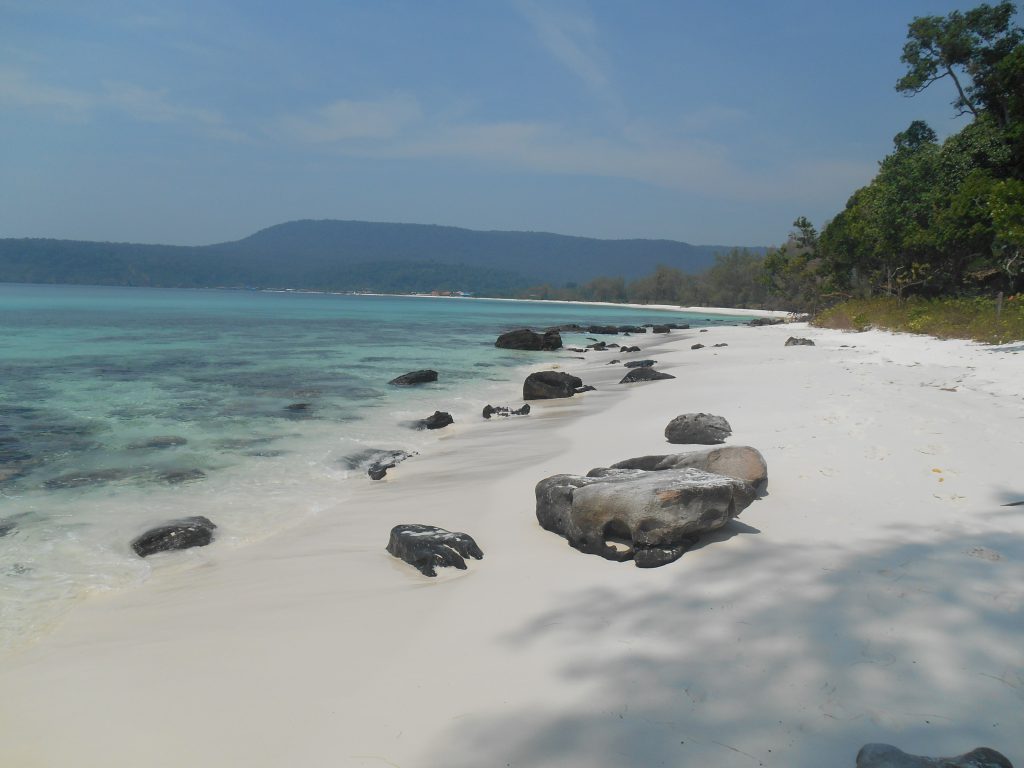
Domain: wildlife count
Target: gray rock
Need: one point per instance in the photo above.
(888, 756)
(766, 321)
(504, 410)
(794, 341)
(414, 377)
(426, 547)
(697, 429)
(629, 349)
(178, 476)
(644, 374)
(651, 518)
(176, 534)
(524, 338)
(438, 420)
(660, 329)
(697, 346)
(548, 385)
(739, 461)
(376, 461)
(640, 363)
(7, 527)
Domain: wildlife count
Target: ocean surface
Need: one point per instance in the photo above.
(125, 407)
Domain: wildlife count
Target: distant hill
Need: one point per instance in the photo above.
(352, 255)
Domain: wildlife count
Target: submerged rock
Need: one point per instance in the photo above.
(505, 410)
(438, 420)
(548, 385)
(414, 377)
(888, 756)
(644, 374)
(7, 527)
(84, 479)
(426, 547)
(159, 443)
(698, 345)
(178, 476)
(698, 428)
(176, 534)
(376, 461)
(524, 338)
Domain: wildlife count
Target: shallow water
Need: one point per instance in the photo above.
(124, 407)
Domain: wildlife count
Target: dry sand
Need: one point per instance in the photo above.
(875, 594)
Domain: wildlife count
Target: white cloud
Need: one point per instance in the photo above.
(346, 119)
(571, 38)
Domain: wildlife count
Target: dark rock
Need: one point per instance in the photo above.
(629, 349)
(414, 377)
(660, 329)
(574, 349)
(298, 407)
(159, 443)
(176, 534)
(739, 461)
(504, 410)
(598, 346)
(584, 388)
(766, 321)
(698, 429)
(547, 385)
(376, 461)
(613, 362)
(794, 341)
(723, 344)
(608, 330)
(644, 374)
(179, 476)
(613, 345)
(629, 329)
(651, 518)
(640, 363)
(524, 338)
(7, 527)
(426, 547)
(697, 346)
(703, 330)
(439, 420)
(888, 756)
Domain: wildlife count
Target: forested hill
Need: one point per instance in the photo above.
(353, 255)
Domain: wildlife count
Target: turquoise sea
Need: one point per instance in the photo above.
(124, 407)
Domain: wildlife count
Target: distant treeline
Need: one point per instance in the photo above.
(735, 279)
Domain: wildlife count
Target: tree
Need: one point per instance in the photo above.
(969, 48)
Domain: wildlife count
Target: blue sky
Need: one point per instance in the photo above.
(190, 123)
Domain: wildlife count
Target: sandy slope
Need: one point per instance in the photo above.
(876, 593)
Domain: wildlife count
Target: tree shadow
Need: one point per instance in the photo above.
(765, 655)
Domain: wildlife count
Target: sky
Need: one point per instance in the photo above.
(200, 122)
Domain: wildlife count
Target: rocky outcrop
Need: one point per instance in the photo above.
(176, 534)
(426, 547)
(698, 428)
(629, 329)
(524, 338)
(766, 321)
(738, 461)
(505, 410)
(548, 385)
(629, 349)
(438, 420)
(644, 374)
(640, 363)
(660, 329)
(794, 341)
(888, 756)
(414, 377)
(649, 517)
(609, 330)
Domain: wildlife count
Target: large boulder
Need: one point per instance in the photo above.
(548, 385)
(608, 330)
(640, 363)
(739, 461)
(697, 429)
(426, 547)
(888, 756)
(660, 329)
(644, 374)
(651, 518)
(796, 341)
(524, 338)
(176, 534)
(414, 377)
(437, 420)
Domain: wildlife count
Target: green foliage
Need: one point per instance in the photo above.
(980, 318)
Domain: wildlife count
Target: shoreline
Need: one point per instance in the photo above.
(845, 607)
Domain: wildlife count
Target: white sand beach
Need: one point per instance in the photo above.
(876, 594)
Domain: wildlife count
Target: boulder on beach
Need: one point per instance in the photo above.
(438, 420)
(524, 338)
(649, 517)
(660, 329)
(629, 349)
(609, 330)
(722, 344)
(548, 385)
(177, 534)
(414, 377)
(640, 363)
(505, 410)
(426, 547)
(644, 374)
(757, 321)
(698, 428)
(794, 341)
(888, 756)
(376, 461)
(697, 346)
(739, 461)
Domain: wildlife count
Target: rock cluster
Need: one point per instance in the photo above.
(505, 410)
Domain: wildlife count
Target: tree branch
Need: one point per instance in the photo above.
(963, 96)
